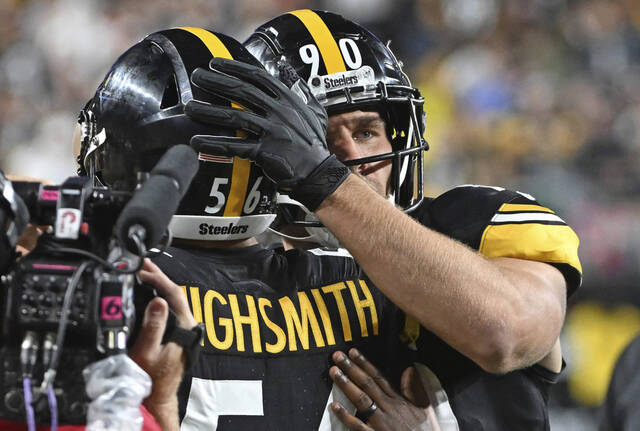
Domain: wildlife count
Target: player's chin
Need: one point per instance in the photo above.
(380, 188)
(378, 185)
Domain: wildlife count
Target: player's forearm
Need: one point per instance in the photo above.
(465, 299)
(165, 413)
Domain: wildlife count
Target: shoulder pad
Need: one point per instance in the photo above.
(505, 223)
(464, 211)
(319, 266)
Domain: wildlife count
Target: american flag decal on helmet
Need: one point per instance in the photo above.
(212, 158)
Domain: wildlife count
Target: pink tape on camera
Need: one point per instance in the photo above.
(49, 195)
(111, 308)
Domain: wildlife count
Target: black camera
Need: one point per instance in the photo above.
(72, 300)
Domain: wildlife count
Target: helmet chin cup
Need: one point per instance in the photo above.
(307, 227)
(322, 235)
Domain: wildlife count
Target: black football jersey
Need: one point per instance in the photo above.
(619, 411)
(272, 320)
(497, 223)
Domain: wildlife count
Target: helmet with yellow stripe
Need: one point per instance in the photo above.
(348, 68)
(137, 113)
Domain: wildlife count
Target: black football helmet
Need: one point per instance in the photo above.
(137, 113)
(348, 68)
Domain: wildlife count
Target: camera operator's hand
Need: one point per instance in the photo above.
(287, 128)
(163, 362)
(29, 237)
(151, 274)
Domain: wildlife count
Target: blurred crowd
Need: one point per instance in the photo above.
(541, 96)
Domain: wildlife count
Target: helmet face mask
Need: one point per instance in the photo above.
(348, 68)
(137, 113)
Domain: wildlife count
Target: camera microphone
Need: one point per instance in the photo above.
(149, 211)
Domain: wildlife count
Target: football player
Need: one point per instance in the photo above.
(483, 273)
(272, 318)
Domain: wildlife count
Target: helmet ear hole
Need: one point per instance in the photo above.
(170, 97)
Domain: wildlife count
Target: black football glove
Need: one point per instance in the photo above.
(286, 128)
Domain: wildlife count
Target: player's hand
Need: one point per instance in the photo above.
(286, 128)
(28, 239)
(163, 362)
(151, 274)
(379, 406)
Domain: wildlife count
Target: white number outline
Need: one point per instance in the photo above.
(253, 197)
(348, 47)
(216, 193)
(206, 405)
(309, 55)
(349, 50)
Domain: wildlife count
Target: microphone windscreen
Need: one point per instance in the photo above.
(151, 207)
(180, 162)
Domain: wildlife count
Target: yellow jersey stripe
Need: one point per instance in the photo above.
(524, 207)
(532, 241)
(323, 38)
(241, 167)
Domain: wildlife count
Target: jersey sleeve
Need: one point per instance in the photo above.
(505, 223)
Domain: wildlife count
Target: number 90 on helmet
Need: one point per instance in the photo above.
(137, 113)
(348, 68)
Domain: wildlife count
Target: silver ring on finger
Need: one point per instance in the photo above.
(364, 415)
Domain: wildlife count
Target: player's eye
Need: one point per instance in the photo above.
(363, 134)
